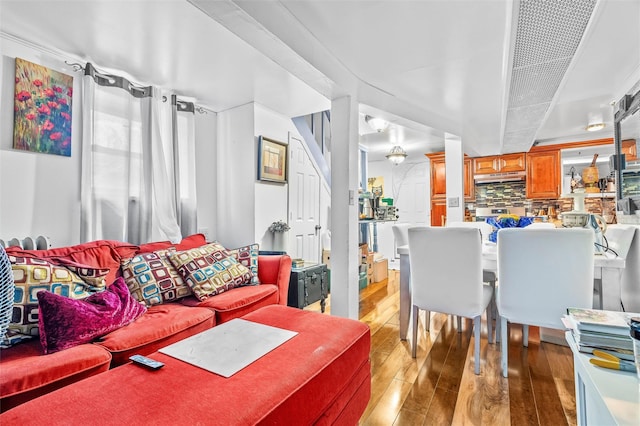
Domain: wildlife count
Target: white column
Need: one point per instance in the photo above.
(454, 161)
(236, 170)
(344, 208)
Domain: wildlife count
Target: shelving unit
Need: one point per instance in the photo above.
(365, 226)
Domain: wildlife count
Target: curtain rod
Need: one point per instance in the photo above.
(104, 79)
(109, 80)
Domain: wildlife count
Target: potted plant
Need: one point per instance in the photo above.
(279, 229)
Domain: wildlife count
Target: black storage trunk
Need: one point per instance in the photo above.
(307, 285)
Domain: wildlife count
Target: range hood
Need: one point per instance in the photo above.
(632, 166)
(500, 177)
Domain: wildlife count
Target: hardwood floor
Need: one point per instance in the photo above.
(440, 387)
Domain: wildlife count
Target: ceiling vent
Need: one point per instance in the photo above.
(547, 36)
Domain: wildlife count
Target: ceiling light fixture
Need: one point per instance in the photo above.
(594, 127)
(377, 124)
(396, 155)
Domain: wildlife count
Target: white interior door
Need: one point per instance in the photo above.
(413, 195)
(304, 204)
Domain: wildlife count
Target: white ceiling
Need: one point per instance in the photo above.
(430, 66)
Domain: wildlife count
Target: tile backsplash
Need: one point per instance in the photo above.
(501, 194)
(513, 194)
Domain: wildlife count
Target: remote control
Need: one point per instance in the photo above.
(146, 362)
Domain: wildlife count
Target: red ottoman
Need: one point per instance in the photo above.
(320, 376)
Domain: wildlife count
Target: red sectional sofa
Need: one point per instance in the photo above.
(321, 376)
(25, 373)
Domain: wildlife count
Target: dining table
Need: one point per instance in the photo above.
(607, 277)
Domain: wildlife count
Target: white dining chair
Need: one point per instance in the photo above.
(488, 274)
(624, 242)
(446, 277)
(542, 272)
(484, 227)
(401, 234)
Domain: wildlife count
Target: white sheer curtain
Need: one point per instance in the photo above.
(128, 187)
(184, 161)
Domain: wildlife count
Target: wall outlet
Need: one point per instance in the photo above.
(453, 202)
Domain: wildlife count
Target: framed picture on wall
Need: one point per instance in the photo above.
(42, 109)
(272, 160)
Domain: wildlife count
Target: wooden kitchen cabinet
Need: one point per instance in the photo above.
(439, 180)
(469, 183)
(499, 164)
(630, 149)
(543, 174)
(438, 177)
(438, 212)
(485, 165)
(439, 186)
(512, 162)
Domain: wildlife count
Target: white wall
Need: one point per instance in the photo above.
(206, 190)
(246, 206)
(271, 199)
(235, 165)
(40, 193)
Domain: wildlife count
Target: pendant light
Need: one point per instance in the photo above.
(377, 124)
(396, 155)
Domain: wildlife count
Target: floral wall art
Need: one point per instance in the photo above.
(42, 109)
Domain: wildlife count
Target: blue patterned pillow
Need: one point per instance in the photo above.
(7, 288)
(248, 256)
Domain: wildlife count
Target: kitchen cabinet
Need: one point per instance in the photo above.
(630, 149)
(499, 164)
(438, 212)
(543, 174)
(439, 186)
(438, 177)
(485, 165)
(439, 181)
(469, 183)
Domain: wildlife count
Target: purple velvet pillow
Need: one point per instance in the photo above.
(65, 322)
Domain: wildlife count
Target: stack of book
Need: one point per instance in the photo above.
(607, 331)
(297, 263)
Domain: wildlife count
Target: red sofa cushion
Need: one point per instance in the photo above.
(192, 241)
(26, 373)
(101, 254)
(321, 375)
(276, 270)
(238, 301)
(160, 326)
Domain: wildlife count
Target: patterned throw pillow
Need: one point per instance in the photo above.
(6, 292)
(94, 278)
(248, 257)
(32, 275)
(209, 270)
(152, 279)
(65, 322)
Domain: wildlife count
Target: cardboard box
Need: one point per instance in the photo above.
(363, 280)
(380, 270)
(326, 258)
(364, 251)
(370, 261)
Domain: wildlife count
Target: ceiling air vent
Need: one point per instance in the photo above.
(547, 36)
